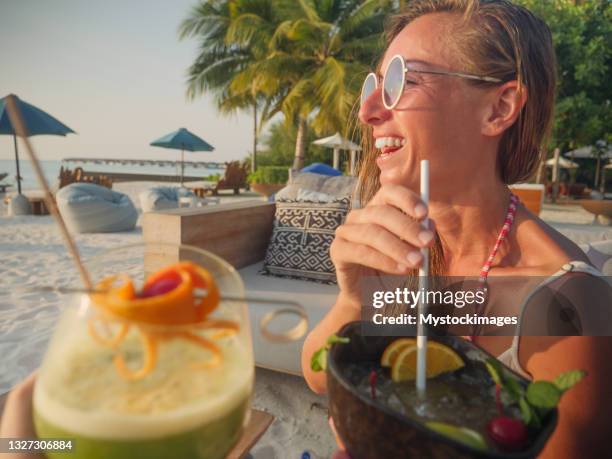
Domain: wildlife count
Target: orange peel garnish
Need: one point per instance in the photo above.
(150, 359)
(177, 306)
(112, 342)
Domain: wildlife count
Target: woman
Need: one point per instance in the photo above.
(477, 102)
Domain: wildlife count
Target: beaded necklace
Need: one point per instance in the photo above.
(484, 272)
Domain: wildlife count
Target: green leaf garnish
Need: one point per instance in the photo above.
(540, 396)
(543, 394)
(569, 379)
(335, 339)
(318, 361)
(529, 415)
(514, 389)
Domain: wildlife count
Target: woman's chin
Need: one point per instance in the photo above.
(395, 170)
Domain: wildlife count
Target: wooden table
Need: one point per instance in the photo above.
(39, 206)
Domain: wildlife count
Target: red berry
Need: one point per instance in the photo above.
(160, 287)
(508, 433)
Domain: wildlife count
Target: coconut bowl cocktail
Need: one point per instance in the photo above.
(472, 406)
(152, 366)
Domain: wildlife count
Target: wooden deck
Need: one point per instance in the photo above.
(117, 177)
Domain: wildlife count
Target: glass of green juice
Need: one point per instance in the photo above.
(192, 402)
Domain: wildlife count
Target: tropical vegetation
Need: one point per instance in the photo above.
(306, 59)
(269, 175)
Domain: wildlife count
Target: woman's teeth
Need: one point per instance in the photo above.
(382, 142)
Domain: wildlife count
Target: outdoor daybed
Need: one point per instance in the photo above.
(240, 233)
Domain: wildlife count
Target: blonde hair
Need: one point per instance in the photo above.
(500, 39)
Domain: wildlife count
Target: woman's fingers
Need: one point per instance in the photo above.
(372, 248)
(402, 198)
(17, 417)
(393, 220)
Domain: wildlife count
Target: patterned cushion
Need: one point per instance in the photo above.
(303, 232)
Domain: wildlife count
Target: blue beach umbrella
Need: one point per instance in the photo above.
(36, 122)
(182, 140)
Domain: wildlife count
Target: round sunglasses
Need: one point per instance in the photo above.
(394, 81)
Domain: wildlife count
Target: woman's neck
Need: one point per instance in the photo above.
(468, 224)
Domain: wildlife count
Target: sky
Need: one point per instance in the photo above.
(113, 71)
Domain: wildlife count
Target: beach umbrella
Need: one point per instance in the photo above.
(182, 140)
(36, 121)
(563, 163)
(337, 142)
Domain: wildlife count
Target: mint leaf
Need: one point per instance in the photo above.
(335, 339)
(514, 389)
(528, 414)
(543, 394)
(569, 379)
(495, 370)
(318, 361)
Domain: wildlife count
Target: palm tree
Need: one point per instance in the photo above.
(316, 61)
(232, 34)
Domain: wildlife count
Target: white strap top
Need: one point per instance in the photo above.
(510, 356)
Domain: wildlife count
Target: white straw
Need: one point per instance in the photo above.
(421, 379)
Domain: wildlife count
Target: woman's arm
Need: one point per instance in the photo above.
(584, 428)
(342, 312)
(582, 303)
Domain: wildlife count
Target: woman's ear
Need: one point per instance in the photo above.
(505, 105)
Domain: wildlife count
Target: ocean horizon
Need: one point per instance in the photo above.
(51, 170)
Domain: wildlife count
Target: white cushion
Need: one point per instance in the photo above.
(314, 196)
(316, 299)
(337, 186)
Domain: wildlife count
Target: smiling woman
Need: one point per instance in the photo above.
(469, 85)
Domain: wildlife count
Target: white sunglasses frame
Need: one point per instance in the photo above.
(405, 70)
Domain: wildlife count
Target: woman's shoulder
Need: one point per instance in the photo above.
(542, 250)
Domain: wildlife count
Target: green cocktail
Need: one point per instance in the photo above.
(192, 402)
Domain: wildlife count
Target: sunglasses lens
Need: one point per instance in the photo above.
(393, 84)
(369, 86)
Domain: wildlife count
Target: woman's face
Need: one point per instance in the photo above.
(438, 117)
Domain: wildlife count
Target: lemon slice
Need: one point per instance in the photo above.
(393, 350)
(461, 434)
(440, 359)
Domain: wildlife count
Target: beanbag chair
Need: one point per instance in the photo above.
(19, 205)
(89, 208)
(323, 169)
(162, 197)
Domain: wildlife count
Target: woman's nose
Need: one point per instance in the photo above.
(372, 111)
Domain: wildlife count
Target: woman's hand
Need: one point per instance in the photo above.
(386, 236)
(17, 416)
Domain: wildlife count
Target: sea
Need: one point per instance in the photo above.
(51, 170)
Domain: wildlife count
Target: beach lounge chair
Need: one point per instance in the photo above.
(234, 178)
(89, 208)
